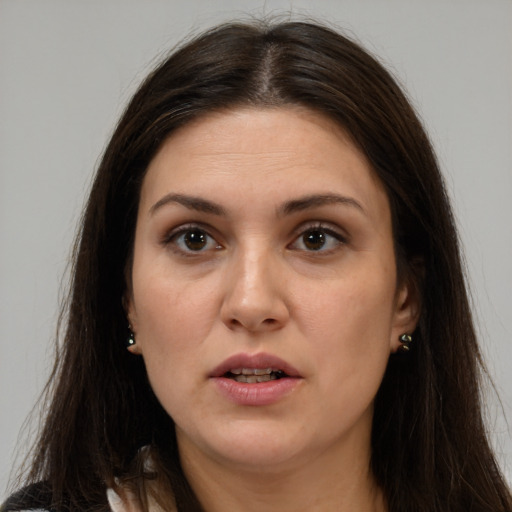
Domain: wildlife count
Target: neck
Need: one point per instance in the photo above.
(326, 483)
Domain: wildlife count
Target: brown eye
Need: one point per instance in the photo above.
(314, 239)
(195, 239)
(323, 240)
(190, 239)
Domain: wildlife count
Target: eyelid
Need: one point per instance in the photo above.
(326, 228)
(171, 235)
(185, 226)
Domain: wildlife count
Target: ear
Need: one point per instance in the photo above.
(131, 315)
(406, 314)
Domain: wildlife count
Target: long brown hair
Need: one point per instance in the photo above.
(430, 452)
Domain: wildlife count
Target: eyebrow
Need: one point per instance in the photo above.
(190, 202)
(317, 200)
(289, 207)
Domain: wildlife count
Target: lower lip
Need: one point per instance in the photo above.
(260, 393)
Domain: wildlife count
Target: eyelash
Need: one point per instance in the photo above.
(172, 239)
(325, 231)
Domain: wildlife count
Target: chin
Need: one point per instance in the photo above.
(263, 444)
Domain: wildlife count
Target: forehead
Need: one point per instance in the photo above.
(247, 155)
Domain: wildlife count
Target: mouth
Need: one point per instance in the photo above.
(254, 368)
(254, 375)
(255, 379)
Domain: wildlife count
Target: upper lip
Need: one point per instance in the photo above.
(261, 360)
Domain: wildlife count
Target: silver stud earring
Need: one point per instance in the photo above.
(130, 342)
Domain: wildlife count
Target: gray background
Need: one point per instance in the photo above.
(67, 67)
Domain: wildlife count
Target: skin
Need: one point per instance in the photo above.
(334, 312)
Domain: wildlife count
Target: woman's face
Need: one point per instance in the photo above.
(264, 252)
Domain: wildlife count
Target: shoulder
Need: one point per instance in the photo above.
(35, 497)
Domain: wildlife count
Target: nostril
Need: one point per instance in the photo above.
(253, 325)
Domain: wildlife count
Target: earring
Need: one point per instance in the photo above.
(405, 341)
(130, 342)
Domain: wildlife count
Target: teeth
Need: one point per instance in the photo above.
(251, 371)
(253, 379)
(253, 376)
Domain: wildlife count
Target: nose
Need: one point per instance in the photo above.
(255, 293)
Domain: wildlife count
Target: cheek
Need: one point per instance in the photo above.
(353, 309)
(173, 321)
(350, 346)
(173, 316)
(348, 323)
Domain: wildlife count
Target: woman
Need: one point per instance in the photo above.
(268, 308)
